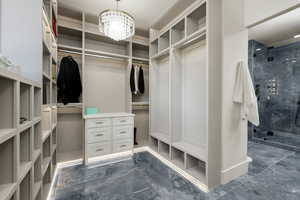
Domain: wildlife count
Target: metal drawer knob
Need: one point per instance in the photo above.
(99, 135)
(123, 132)
(123, 145)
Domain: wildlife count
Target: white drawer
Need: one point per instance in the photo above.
(120, 146)
(123, 132)
(99, 149)
(97, 123)
(98, 134)
(122, 121)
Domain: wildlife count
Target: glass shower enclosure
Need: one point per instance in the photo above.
(275, 73)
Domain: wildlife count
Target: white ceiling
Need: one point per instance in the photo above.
(278, 31)
(146, 12)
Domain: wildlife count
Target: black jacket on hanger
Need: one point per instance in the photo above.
(132, 86)
(141, 81)
(68, 81)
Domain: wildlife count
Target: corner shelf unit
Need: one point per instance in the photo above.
(180, 110)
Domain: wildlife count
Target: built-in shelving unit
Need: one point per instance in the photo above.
(22, 149)
(43, 131)
(79, 37)
(180, 71)
(19, 115)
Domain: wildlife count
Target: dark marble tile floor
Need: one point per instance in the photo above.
(280, 139)
(274, 174)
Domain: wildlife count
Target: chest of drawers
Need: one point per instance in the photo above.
(108, 133)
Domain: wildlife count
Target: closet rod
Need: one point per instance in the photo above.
(105, 57)
(143, 64)
(66, 51)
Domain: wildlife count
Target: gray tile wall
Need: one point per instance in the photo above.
(276, 76)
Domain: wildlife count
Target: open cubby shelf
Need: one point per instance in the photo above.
(140, 51)
(54, 71)
(70, 38)
(196, 168)
(54, 136)
(25, 149)
(154, 47)
(164, 149)
(7, 105)
(7, 166)
(177, 157)
(13, 196)
(54, 93)
(37, 139)
(46, 182)
(46, 91)
(54, 162)
(178, 32)
(164, 41)
(46, 119)
(25, 103)
(38, 195)
(37, 101)
(25, 187)
(46, 61)
(54, 116)
(37, 178)
(46, 149)
(154, 143)
(197, 151)
(196, 20)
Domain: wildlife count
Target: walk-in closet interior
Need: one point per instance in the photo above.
(96, 91)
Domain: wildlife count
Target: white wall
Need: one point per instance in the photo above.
(234, 131)
(260, 10)
(21, 35)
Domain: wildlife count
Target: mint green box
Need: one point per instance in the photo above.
(91, 111)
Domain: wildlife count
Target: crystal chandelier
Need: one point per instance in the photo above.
(116, 24)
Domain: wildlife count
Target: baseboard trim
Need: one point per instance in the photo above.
(235, 171)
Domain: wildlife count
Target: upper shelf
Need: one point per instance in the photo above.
(190, 27)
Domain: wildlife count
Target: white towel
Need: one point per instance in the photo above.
(244, 94)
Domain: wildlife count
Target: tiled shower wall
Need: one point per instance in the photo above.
(276, 76)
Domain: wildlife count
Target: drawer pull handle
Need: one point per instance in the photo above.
(122, 121)
(98, 150)
(123, 146)
(99, 135)
(123, 132)
(99, 122)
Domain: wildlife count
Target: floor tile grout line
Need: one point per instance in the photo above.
(272, 165)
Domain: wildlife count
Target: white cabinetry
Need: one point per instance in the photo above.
(108, 133)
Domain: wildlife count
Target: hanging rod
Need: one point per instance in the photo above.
(140, 63)
(67, 51)
(105, 57)
(92, 55)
